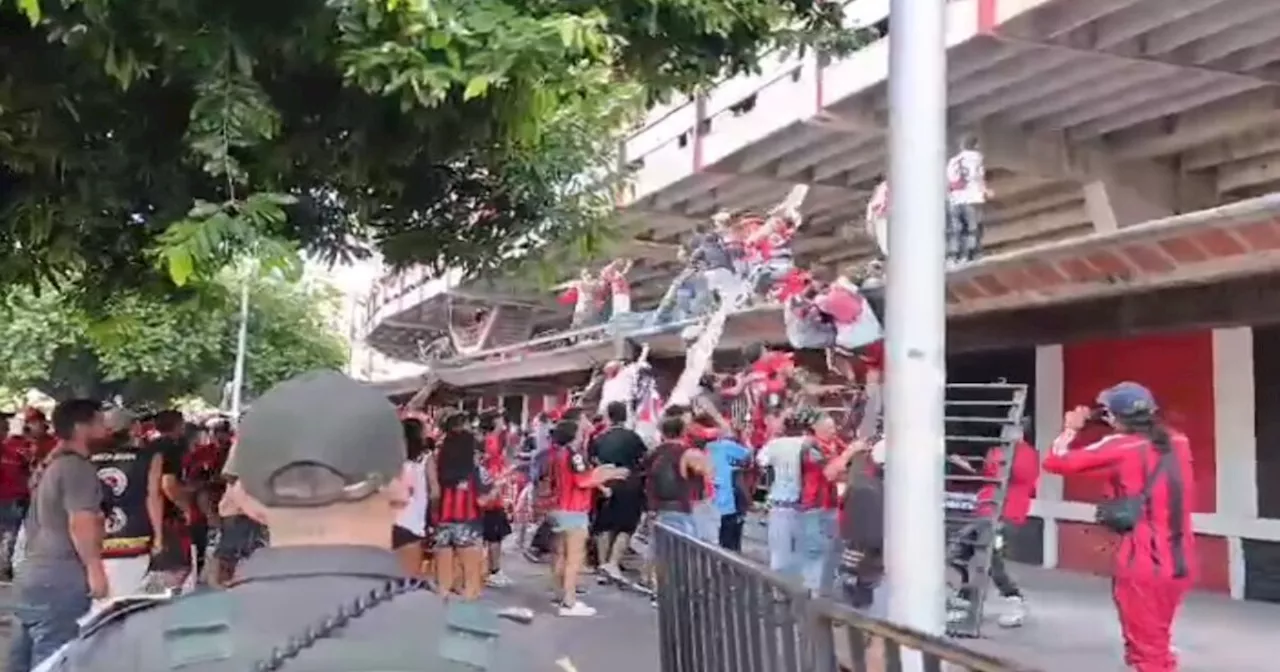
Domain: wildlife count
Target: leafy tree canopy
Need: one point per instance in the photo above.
(156, 140)
(153, 349)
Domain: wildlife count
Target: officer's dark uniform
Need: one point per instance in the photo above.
(306, 608)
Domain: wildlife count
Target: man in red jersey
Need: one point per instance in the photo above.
(1024, 476)
(15, 475)
(36, 431)
(495, 524)
(573, 483)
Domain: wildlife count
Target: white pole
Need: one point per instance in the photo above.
(242, 343)
(916, 318)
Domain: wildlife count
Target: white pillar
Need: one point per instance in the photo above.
(1050, 390)
(1235, 442)
(916, 316)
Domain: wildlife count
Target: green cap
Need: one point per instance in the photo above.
(320, 419)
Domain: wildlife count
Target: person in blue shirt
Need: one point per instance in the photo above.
(727, 457)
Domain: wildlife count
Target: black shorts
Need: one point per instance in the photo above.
(495, 525)
(401, 537)
(620, 512)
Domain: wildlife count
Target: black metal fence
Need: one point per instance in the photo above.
(720, 612)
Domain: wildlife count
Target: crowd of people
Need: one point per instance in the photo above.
(119, 505)
(103, 503)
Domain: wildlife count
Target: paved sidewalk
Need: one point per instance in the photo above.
(1072, 628)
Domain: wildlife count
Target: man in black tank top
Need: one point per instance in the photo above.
(132, 505)
(675, 477)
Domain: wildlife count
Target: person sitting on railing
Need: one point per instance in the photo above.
(712, 256)
(770, 244)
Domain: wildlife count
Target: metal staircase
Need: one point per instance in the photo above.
(978, 417)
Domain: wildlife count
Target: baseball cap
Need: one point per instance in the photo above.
(119, 419)
(1127, 398)
(319, 419)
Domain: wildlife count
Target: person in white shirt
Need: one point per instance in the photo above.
(411, 525)
(782, 456)
(967, 194)
(621, 381)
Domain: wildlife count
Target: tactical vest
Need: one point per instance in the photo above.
(123, 475)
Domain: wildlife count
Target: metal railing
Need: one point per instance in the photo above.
(720, 612)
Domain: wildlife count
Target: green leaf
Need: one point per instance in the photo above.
(476, 87)
(203, 210)
(181, 266)
(31, 9)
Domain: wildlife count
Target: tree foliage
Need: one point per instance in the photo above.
(146, 348)
(156, 140)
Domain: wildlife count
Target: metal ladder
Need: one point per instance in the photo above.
(978, 417)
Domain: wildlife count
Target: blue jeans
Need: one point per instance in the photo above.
(707, 519)
(817, 544)
(784, 540)
(45, 620)
(679, 521)
(564, 521)
(11, 514)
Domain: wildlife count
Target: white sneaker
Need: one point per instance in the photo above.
(578, 608)
(498, 579)
(612, 571)
(1015, 613)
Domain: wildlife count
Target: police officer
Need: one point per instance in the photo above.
(324, 456)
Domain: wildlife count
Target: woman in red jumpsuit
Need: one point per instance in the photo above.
(1149, 470)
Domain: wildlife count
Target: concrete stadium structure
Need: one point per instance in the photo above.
(1133, 149)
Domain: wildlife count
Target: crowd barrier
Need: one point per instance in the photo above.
(721, 612)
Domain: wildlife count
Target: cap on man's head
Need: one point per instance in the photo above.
(323, 420)
(119, 419)
(1128, 398)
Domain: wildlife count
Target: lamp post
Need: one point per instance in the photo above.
(916, 314)
(242, 343)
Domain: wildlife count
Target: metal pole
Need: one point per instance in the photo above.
(242, 343)
(915, 376)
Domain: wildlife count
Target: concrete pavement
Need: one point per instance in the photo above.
(1072, 627)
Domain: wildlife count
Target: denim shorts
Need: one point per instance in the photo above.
(564, 521)
(679, 521)
(464, 534)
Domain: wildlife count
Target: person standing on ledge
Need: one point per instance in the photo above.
(967, 195)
